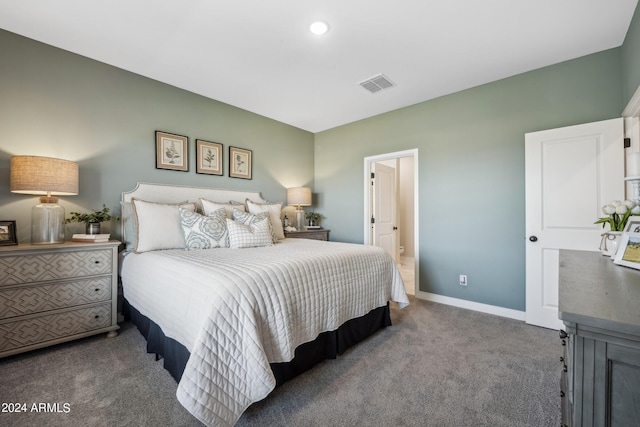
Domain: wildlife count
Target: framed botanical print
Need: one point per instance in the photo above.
(172, 151)
(208, 157)
(8, 234)
(239, 163)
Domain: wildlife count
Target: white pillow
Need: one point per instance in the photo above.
(274, 210)
(128, 217)
(208, 207)
(253, 235)
(158, 225)
(204, 232)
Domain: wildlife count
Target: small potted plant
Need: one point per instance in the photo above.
(313, 218)
(93, 219)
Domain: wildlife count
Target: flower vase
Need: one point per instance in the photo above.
(609, 242)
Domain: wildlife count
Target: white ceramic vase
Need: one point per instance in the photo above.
(610, 242)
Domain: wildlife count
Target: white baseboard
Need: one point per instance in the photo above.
(470, 305)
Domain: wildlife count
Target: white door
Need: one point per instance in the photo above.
(570, 173)
(384, 184)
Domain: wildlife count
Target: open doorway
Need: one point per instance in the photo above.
(391, 210)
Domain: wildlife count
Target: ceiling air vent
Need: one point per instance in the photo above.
(377, 83)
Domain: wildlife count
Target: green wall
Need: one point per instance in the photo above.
(58, 104)
(631, 58)
(471, 150)
(471, 170)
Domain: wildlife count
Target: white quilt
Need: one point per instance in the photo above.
(237, 310)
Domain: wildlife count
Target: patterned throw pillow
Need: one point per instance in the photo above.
(249, 218)
(204, 232)
(253, 235)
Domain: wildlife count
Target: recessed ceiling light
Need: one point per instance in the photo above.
(319, 28)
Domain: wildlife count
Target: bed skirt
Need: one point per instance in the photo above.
(328, 345)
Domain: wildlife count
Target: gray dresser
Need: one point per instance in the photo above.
(55, 293)
(599, 303)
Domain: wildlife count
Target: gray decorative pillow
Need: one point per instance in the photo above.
(254, 235)
(249, 218)
(204, 232)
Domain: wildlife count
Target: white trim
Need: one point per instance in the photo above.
(633, 107)
(368, 162)
(631, 115)
(470, 305)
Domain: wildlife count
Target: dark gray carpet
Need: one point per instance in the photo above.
(437, 366)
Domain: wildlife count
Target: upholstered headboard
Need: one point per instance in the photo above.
(167, 193)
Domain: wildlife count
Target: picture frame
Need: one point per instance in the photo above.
(628, 253)
(208, 157)
(240, 163)
(633, 224)
(172, 151)
(8, 235)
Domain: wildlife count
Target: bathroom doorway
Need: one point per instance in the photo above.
(391, 210)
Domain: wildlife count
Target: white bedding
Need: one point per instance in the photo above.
(237, 310)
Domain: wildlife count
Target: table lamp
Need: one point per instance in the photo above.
(298, 197)
(48, 178)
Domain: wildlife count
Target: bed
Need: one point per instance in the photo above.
(240, 310)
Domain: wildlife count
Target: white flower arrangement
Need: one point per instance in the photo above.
(618, 214)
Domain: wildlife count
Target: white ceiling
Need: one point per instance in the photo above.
(260, 56)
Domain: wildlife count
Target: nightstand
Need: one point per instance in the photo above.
(314, 234)
(50, 294)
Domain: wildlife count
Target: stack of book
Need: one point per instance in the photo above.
(91, 238)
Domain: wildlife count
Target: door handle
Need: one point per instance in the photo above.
(395, 228)
(533, 238)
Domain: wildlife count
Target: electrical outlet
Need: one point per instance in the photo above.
(463, 280)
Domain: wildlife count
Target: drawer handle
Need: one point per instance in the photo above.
(96, 262)
(98, 290)
(97, 316)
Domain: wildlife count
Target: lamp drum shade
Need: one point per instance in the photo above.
(299, 196)
(48, 178)
(43, 176)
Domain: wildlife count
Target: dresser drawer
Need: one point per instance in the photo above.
(41, 267)
(21, 300)
(48, 327)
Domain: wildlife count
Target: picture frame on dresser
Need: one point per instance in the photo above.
(633, 224)
(208, 157)
(628, 253)
(8, 235)
(172, 151)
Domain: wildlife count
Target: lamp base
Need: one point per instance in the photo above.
(300, 219)
(47, 223)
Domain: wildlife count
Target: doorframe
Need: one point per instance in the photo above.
(368, 162)
(631, 116)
